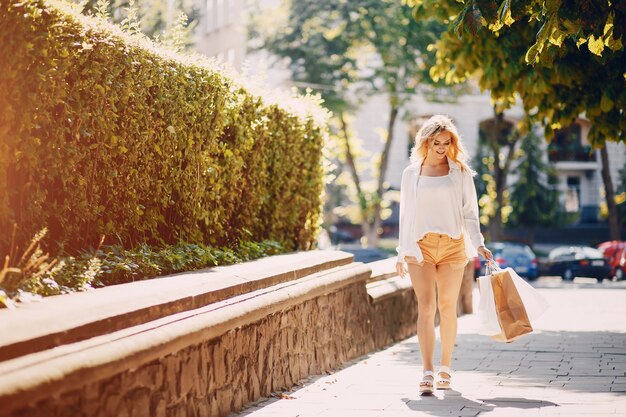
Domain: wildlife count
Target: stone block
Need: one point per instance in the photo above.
(224, 399)
(213, 405)
(151, 375)
(171, 364)
(218, 365)
(138, 402)
(157, 406)
(254, 386)
(111, 405)
(188, 375)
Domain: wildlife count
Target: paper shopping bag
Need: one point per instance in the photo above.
(488, 323)
(512, 315)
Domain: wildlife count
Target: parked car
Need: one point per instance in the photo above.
(515, 255)
(615, 254)
(339, 236)
(577, 261)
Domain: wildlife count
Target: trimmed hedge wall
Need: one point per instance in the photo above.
(105, 134)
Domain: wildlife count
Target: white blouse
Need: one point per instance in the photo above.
(465, 203)
(436, 207)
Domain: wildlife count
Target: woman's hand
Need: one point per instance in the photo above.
(485, 253)
(400, 269)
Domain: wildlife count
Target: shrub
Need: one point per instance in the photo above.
(34, 274)
(102, 133)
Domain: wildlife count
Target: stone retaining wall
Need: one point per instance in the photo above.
(217, 376)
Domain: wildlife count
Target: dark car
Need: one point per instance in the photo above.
(339, 236)
(577, 261)
(615, 254)
(515, 255)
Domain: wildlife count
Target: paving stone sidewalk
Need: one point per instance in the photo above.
(574, 364)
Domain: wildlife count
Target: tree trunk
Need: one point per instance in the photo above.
(501, 169)
(614, 230)
(495, 226)
(372, 239)
(493, 138)
(365, 226)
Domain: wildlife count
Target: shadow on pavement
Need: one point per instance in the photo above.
(452, 401)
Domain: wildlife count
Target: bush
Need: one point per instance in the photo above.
(102, 133)
(33, 273)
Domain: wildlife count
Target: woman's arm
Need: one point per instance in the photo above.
(406, 245)
(470, 211)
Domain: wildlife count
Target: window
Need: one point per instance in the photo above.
(498, 129)
(232, 11)
(219, 13)
(567, 145)
(560, 252)
(210, 16)
(572, 195)
(570, 136)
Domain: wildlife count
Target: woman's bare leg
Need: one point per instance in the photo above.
(449, 278)
(423, 279)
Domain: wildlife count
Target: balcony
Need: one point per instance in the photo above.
(571, 153)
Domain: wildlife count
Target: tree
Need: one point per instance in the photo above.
(352, 49)
(620, 199)
(171, 22)
(534, 198)
(562, 58)
(501, 139)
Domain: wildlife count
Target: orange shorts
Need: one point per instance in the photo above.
(440, 249)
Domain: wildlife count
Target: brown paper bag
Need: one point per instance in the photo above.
(510, 309)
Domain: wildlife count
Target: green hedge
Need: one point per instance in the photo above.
(105, 134)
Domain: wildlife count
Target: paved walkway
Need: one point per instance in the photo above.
(573, 365)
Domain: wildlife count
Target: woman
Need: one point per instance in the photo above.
(439, 234)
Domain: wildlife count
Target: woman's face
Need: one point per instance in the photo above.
(440, 145)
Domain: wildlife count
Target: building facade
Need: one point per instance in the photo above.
(221, 31)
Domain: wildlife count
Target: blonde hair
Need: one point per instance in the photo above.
(431, 128)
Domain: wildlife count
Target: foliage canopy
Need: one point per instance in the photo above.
(563, 58)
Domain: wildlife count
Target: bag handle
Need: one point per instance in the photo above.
(492, 267)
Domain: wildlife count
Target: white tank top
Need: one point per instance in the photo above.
(436, 207)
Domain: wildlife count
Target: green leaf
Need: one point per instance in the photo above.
(614, 44)
(606, 104)
(556, 37)
(504, 13)
(457, 25)
(595, 45)
(532, 55)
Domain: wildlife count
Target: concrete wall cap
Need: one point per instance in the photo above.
(69, 318)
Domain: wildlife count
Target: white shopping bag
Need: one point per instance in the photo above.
(488, 322)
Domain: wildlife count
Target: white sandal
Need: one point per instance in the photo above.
(426, 384)
(443, 382)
